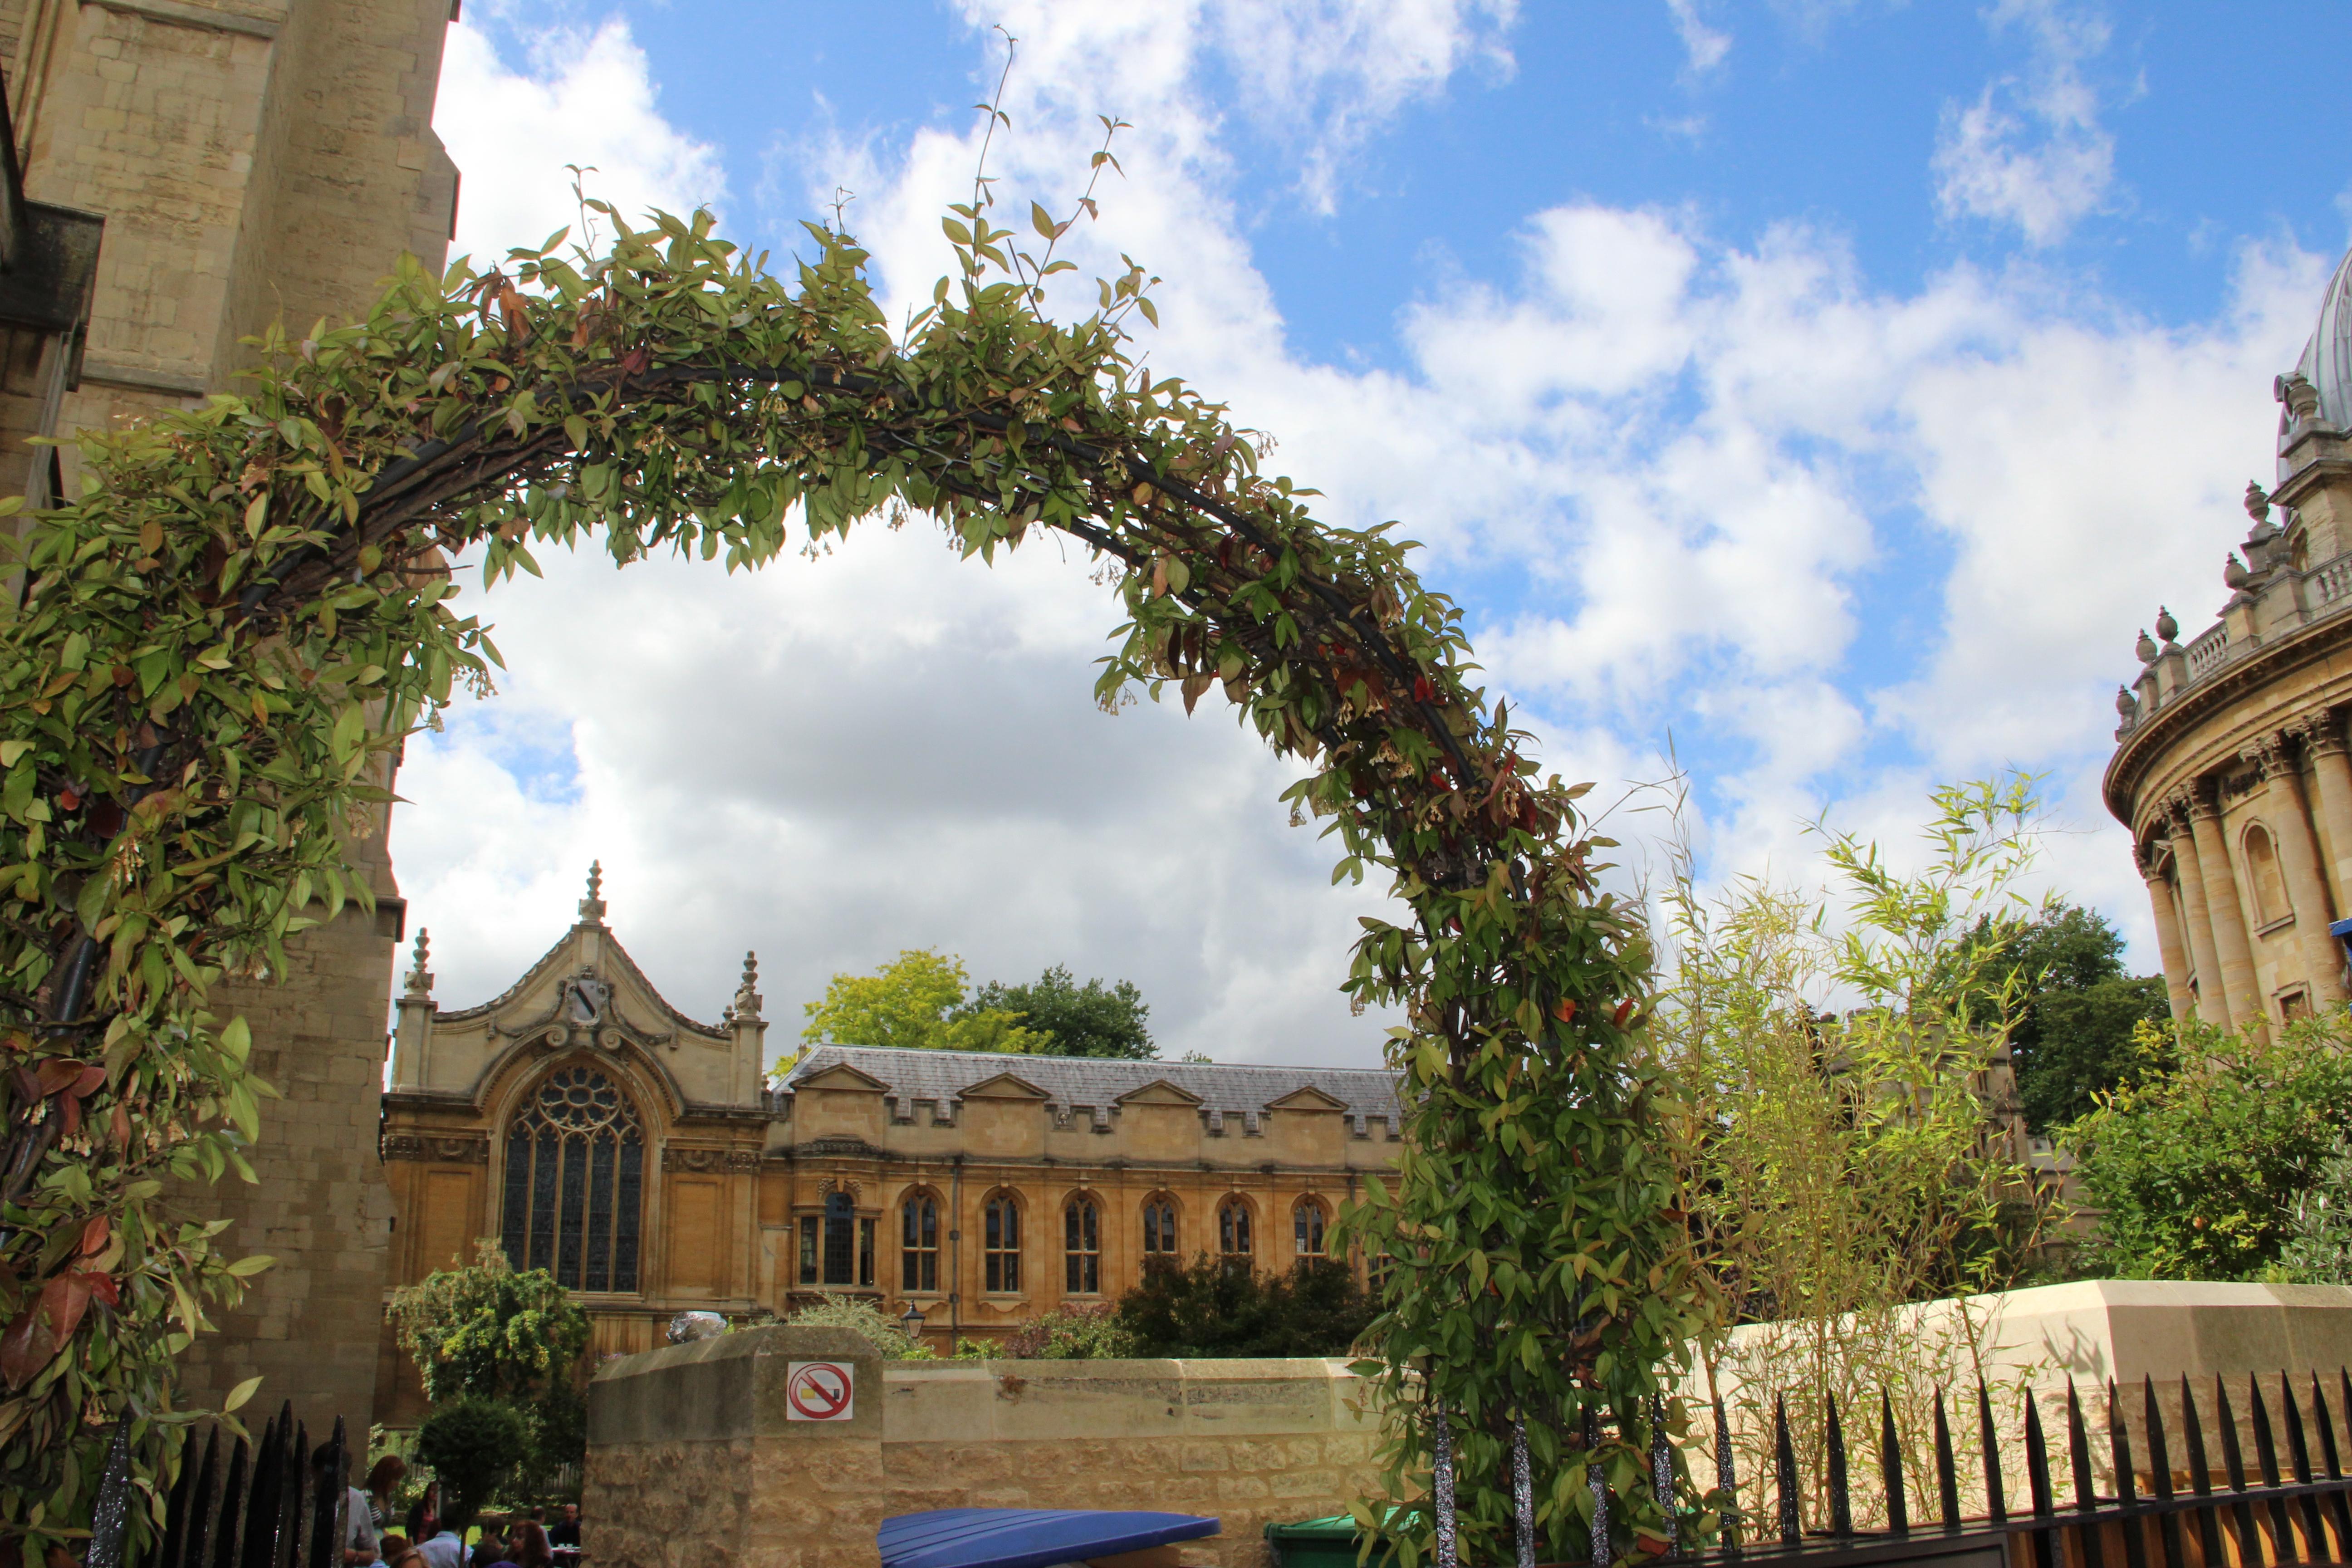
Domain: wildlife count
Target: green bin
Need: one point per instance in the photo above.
(1321, 1543)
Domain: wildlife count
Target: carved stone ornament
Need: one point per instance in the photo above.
(2150, 862)
(2266, 756)
(2319, 731)
(840, 1184)
(2177, 808)
(440, 1149)
(698, 1162)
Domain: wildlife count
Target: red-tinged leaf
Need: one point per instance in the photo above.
(1422, 689)
(66, 1299)
(1566, 1011)
(69, 1114)
(1624, 1011)
(59, 1073)
(119, 1127)
(26, 1347)
(91, 1081)
(102, 1287)
(94, 1234)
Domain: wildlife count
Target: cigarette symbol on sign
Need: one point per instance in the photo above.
(819, 1391)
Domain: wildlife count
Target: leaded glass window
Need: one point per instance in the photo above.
(1234, 1228)
(574, 1182)
(918, 1244)
(1082, 1247)
(1000, 1257)
(1306, 1229)
(1160, 1228)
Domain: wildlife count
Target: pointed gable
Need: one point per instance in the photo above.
(1004, 1086)
(843, 1078)
(1306, 1097)
(1159, 1091)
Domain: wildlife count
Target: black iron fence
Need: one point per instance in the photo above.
(275, 1504)
(2172, 1507)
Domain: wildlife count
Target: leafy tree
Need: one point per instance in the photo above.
(2318, 1249)
(1074, 1333)
(2073, 1038)
(2196, 1167)
(489, 1330)
(1217, 1308)
(474, 1443)
(916, 1001)
(1089, 1020)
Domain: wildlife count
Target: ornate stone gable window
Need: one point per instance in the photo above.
(918, 1244)
(575, 1183)
(1082, 1247)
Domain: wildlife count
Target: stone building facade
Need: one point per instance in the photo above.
(584, 1125)
(2230, 766)
(239, 162)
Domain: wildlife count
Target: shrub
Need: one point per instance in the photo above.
(1073, 1333)
(889, 1339)
(487, 1330)
(473, 1443)
(2197, 1168)
(1219, 1308)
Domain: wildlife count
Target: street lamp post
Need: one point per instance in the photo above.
(913, 1322)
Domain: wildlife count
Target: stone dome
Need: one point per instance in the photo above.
(2327, 362)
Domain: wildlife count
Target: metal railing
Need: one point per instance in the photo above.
(278, 1505)
(2200, 1516)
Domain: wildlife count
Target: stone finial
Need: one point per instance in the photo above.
(2126, 705)
(2145, 647)
(2234, 575)
(2165, 626)
(2301, 398)
(420, 978)
(2258, 504)
(747, 995)
(591, 907)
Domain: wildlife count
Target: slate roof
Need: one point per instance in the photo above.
(1073, 1083)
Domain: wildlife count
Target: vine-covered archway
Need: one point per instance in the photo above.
(243, 612)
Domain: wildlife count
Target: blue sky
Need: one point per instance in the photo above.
(1828, 390)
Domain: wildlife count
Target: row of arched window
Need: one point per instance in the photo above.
(1082, 1234)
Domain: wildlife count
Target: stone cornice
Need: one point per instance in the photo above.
(2136, 760)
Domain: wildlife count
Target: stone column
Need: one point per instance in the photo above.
(2212, 991)
(2223, 908)
(2169, 937)
(2323, 737)
(2298, 848)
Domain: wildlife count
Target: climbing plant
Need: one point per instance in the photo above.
(226, 633)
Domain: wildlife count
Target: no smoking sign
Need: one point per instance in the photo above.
(820, 1391)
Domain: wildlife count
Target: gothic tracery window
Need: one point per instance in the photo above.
(1234, 1229)
(1158, 1227)
(575, 1183)
(1306, 1229)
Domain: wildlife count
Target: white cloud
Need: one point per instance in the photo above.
(582, 98)
(1705, 47)
(2030, 151)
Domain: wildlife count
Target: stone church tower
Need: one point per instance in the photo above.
(248, 160)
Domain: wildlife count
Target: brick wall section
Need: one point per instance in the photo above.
(686, 1471)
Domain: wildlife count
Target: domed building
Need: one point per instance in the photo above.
(2230, 766)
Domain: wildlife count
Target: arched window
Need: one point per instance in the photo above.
(918, 1244)
(2264, 878)
(837, 1247)
(1158, 1227)
(575, 1183)
(1306, 1229)
(1234, 1228)
(1082, 1247)
(1001, 1248)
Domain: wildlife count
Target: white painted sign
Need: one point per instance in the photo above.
(820, 1391)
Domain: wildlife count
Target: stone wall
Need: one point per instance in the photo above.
(692, 1461)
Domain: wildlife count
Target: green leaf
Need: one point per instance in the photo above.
(245, 1390)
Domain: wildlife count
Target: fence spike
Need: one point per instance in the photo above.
(1947, 1480)
(1441, 1484)
(184, 1498)
(1833, 1441)
(1662, 1475)
(328, 1500)
(2266, 1455)
(2298, 1449)
(2159, 1475)
(1996, 1506)
(2119, 1445)
(199, 1537)
(2086, 1492)
(295, 1494)
(1727, 1482)
(1784, 1467)
(226, 1531)
(1603, 1552)
(2037, 1481)
(2331, 1457)
(1890, 1469)
(260, 1544)
(109, 1513)
(2201, 1477)
(2234, 1459)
